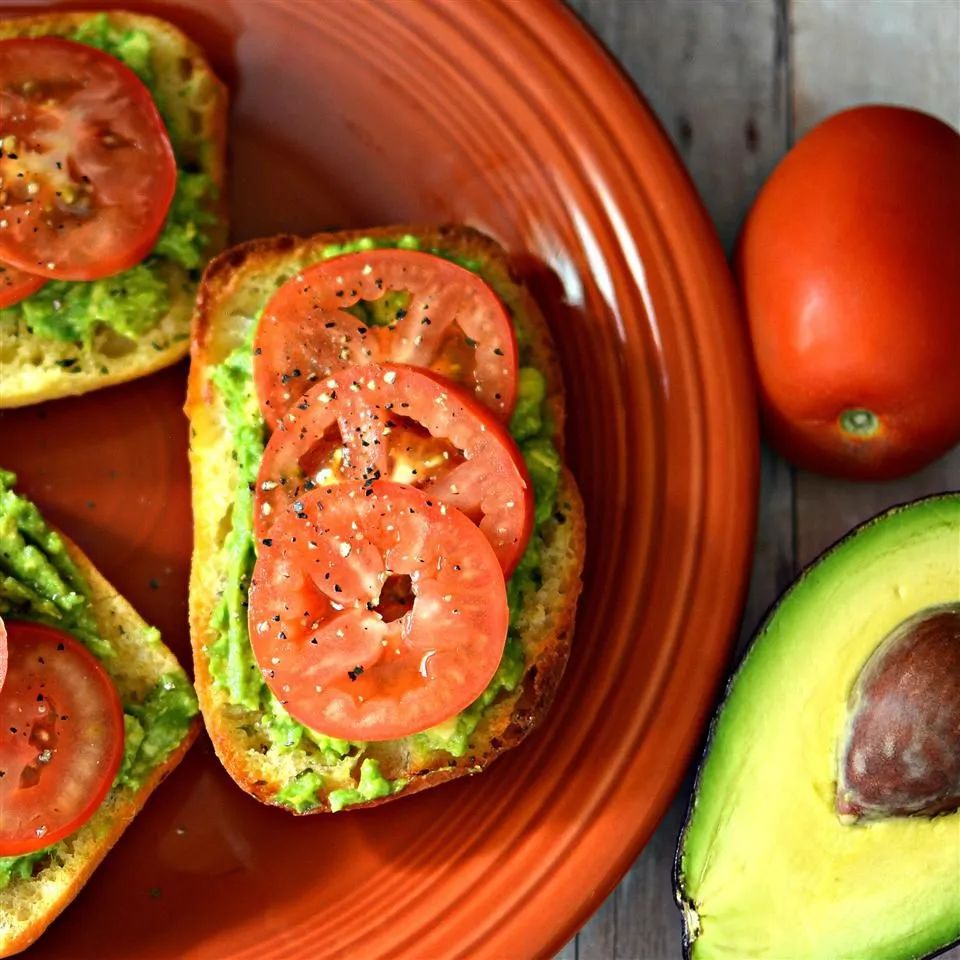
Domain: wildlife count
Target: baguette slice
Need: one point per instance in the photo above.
(28, 907)
(35, 368)
(235, 287)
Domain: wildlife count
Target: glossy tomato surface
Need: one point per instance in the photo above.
(440, 316)
(86, 163)
(849, 264)
(62, 738)
(376, 612)
(409, 425)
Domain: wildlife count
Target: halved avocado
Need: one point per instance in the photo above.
(851, 671)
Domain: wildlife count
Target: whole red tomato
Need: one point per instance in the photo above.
(849, 265)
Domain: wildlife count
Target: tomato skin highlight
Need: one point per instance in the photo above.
(62, 740)
(17, 285)
(849, 267)
(328, 649)
(86, 159)
(453, 323)
(367, 408)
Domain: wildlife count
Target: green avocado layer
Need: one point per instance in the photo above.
(132, 302)
(232, 665)
(766, 866)
(40, 582)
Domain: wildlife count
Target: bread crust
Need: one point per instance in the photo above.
(505, 723)
(51, 381)
(106, 826)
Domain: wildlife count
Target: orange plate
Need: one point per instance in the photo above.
(510, 117)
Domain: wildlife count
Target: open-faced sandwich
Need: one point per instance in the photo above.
(94, 712)
(112, 131)
(388, 545)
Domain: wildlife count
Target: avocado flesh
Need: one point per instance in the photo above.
(766, 868)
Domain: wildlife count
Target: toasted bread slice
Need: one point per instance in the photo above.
(35, 368)
(28, 906)
(234, 289)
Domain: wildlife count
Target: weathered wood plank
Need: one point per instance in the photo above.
(827, 509)
(716, 75)
(860, 51)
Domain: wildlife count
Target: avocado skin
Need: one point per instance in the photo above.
(679, 887)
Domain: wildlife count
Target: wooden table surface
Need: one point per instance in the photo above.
(734, 83)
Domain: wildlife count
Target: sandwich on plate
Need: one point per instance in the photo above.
(112, 132)
(94, 712)
(387, 544)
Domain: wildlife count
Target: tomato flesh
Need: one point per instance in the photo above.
(17, 285)
(399, 423)
(450, 321)
(336, 639)
(62, 738)
(86, 165)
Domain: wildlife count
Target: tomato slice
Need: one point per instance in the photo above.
(400, 423)
(86, 165)
(419, 309)
(16, 285)
(376, 612)
(62, 738)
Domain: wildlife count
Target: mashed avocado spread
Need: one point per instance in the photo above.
(39, 581)
(231, 660)
(132, 302)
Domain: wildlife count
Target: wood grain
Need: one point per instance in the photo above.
(733, 82)
(874, 51)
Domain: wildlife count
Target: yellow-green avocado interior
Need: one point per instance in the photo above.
(765, 867)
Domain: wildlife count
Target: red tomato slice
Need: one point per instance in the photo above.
(62, 738)
(3, 653)
(400, 423)
(86, 164)
(16, 285)
(451, 322)
(376, 612)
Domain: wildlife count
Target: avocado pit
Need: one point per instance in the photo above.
(901, 750)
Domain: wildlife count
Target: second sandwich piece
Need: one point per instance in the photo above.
(95, 712)
(388, 545)
(112, 132)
